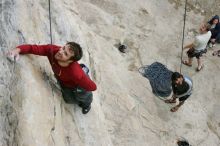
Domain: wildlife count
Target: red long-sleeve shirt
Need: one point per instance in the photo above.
(70, 76)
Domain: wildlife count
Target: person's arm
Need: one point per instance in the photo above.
(87, 84)
(189, 46)
(174, 96)
(194, 44)
(83, 80)
(42, 50)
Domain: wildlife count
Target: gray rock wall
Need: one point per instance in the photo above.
(204, 7)
(124, 111)
(8, 79)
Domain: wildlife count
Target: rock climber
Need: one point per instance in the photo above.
(76, 86)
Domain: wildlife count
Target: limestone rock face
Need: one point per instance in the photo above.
(124, 111)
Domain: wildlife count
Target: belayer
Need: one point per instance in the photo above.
(182, 89)
(76, 86)
(198, 47)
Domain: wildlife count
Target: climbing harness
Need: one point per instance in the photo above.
(183, 37)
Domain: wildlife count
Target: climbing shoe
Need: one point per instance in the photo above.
(85, 110)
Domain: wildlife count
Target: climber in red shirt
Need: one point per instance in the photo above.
(76, 86)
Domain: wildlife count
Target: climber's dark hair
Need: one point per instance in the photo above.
(76, 48)
(175, 76)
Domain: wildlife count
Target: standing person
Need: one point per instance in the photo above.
(76, 86)
(215, 30)
(182, 89)
(198, 47)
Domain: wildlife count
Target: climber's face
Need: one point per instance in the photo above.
(64, 54)
(215, 21)
(179, 81)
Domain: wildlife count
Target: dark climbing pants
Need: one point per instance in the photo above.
(218, 38)
(215, 35)
(77, 95)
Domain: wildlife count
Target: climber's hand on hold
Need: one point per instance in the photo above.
(13, 55)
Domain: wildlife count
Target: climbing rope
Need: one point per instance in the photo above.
(51, 38)
(51, 42)
(160, 78)
(183, 37)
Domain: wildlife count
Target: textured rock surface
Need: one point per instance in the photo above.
(124, 111)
